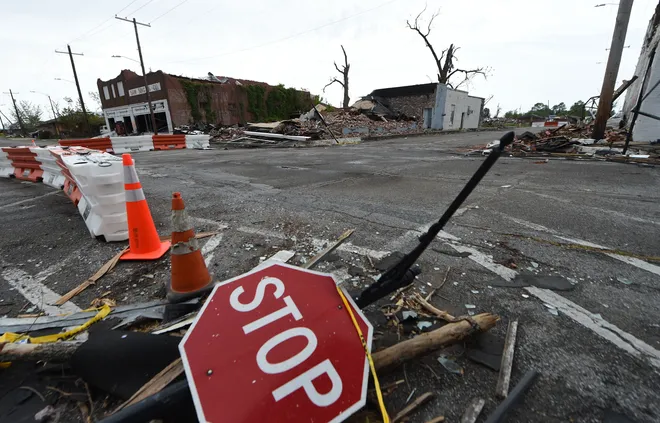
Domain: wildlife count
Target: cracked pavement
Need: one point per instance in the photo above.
(596, 346)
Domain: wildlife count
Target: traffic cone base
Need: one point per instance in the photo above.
(152, 255)
(189, 278)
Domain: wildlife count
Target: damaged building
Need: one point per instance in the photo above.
(178, 100)
(436, 105)
(647, 123)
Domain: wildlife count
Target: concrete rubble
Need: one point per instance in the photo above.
(573, 141)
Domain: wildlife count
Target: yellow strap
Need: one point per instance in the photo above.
(381, 403)
(15, 337)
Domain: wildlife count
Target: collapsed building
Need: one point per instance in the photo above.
(436, 106)
(644, 93)
(178, 100)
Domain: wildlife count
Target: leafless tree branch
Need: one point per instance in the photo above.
(332, 82)
(344, 73)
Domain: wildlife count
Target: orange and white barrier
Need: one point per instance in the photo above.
(102, 144)
(169, 142)
(99, 178)
(6, 169)
(131, 144)
(52, 175)
(122, 145)
(25, 164)
(199, 142)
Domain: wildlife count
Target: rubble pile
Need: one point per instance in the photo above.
(574, 140)
(373, 124)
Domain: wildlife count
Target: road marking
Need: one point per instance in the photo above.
(598, 209)
(207, 249)
(486, 261)
(37, 293)
(413, 234)
(318, 243)
(597, 324)
(640, 264)
(18, 203)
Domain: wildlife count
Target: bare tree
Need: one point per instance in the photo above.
(344, 84)
(447, 61)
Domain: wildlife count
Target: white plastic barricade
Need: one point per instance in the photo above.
(132, 144)
(6, 169)
(198, 141)
(52, 172)
(100, 178)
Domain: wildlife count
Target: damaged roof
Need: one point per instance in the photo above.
(419, 89)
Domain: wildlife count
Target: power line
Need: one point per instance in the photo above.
(171, 9)
(140, 8)
(286, 38)
(126, 7)
(101, 24)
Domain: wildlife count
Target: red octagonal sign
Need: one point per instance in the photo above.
(276, 344)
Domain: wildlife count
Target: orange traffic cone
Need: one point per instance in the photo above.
(190, 277)
(143, 239)
(34, 143)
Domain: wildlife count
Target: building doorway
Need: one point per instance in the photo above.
(128, 125)
(462, 119)
(428, 116)
(161, 122)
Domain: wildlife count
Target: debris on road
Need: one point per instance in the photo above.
(502, 389)
(413, 406)
(473, 410)
(513, 398)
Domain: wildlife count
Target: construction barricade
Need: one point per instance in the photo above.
(6, 169)
(101, 144)
(198, 141)
(70, 187)
(99, 178)
(25, 164)
(169, 142)
(52, 175)
(132, 144)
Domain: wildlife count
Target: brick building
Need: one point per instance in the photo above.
(177, 100)
(437, 105)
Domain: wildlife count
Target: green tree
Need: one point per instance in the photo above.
(30, 114)
(512, 114)
(576, 109)
(559, 109)
(73, 121)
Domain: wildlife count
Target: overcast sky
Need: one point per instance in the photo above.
(539, 51)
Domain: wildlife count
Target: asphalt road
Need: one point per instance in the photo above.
(597, 355)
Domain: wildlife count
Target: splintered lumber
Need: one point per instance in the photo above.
(156, 384)
(502, 389)
(431, 341)
(332, 247)
(108, 266)
(276, 136)
(53, 351)
(474, 409)
(413, 405)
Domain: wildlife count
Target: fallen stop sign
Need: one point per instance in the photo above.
(276, 345)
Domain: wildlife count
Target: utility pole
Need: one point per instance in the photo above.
(144, 73)
(75, 77)
(612, 69)
(18, 115)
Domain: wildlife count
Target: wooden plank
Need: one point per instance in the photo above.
(474, 409)
(413, 405)
(502, 389)
(317, 258)
(156, 384)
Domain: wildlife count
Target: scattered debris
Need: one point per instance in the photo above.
(332, 247)
(450, 365)
(502, 389)
(412, 407)
(513, 398)
(624, 281)
(474, 409)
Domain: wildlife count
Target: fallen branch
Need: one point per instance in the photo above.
(430, 341)
(436, 312)
(428, 297)
(409, 409)
(53, 351)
